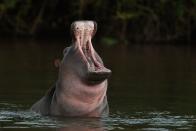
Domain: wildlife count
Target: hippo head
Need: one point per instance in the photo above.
(82, 82)
(81, 62)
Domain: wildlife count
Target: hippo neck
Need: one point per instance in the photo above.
(82, 92)
(81, 100)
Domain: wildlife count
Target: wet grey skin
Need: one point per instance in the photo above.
(80, 90)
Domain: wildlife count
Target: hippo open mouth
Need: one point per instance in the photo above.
(83, 32)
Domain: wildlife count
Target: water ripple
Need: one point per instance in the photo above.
(152, 121)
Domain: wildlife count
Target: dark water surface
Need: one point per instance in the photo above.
(152, 88)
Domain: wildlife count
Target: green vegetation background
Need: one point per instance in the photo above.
(118, 20)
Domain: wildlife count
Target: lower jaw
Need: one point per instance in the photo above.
(92, 82)
(97, 77)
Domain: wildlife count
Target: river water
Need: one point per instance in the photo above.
(152, 87)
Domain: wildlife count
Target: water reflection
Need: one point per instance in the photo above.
(87, 124)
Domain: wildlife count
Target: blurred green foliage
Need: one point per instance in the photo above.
(109, 41)
(119, 20)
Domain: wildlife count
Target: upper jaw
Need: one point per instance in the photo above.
(83, 32)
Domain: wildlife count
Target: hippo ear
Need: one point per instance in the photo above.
(95, 28)
(57, 63)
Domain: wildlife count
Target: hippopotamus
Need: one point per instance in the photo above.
(80, 90)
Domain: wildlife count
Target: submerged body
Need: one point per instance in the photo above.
(82, 81)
